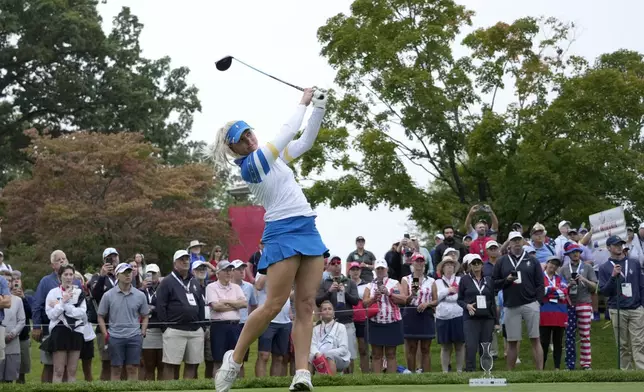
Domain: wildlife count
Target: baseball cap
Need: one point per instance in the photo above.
(470, 257)
(553, 259)
(236, 131)
(152, 268)
(439, 236)
(515, 234)
(538, 227)
(198, 263)
(180, 253)
(354, 265)
(359, 238)
(450, 250)
(417, 256)
(642, 225)
(572, 230)
(238, 264)
(564, 223)
(413, 238)
(582, 230)
(490, 244)
(224, 264)
(1, 254)
(614, 240)
(109, 251)
(122, 267)
(380, 264)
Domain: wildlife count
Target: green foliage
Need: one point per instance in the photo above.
(567, 144)
(89, 191)
(64, 73)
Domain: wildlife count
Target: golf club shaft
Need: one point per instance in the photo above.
(270, 76)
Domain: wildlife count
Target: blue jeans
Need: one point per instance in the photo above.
(125, 351)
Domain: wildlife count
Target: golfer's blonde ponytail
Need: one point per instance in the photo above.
(219, 153)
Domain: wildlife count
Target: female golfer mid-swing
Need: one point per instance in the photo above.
(293, 248)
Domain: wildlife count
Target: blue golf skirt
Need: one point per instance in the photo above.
(289, 237)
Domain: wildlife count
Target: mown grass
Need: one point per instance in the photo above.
(604, 358)
(532, 377)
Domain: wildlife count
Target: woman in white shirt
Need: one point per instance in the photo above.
(66, 309)
(418, 317)
(385, 332)
(449, 315)
(293, 248)
(330, 340)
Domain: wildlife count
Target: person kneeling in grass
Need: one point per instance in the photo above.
(330, 341)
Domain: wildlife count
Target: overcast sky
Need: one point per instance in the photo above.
(279, 37)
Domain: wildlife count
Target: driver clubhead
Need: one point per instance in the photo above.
(224, 63)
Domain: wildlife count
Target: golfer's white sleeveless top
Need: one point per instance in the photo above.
(268, 175)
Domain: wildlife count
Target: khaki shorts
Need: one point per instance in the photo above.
(100, 342)
(25, 356)
(353, 342)
(183, 346)
(3, 345)
(530, 313)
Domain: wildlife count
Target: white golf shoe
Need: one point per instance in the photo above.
(227, 373)
(301, 381)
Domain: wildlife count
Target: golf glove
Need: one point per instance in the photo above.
(319, 99)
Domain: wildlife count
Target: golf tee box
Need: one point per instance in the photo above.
(488, 382)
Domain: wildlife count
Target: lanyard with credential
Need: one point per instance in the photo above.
(553, 281)
(518, 263)
(578, 268)
(480, 287)
(185, 286)
(624, 272)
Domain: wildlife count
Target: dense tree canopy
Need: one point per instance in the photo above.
(62, 72)
(90, 190)
(567, 145)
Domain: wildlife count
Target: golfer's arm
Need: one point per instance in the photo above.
(273, 149)
(304, 143)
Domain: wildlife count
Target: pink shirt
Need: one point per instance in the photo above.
(216, 292)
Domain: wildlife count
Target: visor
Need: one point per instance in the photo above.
(235, 131)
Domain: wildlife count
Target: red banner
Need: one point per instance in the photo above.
(248, 224)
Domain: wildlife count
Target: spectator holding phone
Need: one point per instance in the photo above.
(385, 332)
(101, 284)
(343, 295)
(582, 283)
(520, 277)
(418, 317)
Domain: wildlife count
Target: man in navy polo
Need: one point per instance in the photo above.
(621, 279)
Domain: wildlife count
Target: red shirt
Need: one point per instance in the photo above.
(477, 247)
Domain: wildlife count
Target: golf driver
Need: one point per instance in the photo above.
(225, 62)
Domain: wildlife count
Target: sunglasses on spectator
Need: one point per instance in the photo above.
(335, 262)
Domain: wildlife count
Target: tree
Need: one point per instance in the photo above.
(89, 191)
(566, 146)
(63, 73)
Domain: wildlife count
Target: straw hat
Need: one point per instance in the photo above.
(447, 259)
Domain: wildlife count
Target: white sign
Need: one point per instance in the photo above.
(607, 223)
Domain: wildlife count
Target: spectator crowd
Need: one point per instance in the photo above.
(144, 323)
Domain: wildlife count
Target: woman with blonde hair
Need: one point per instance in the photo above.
(293, 247)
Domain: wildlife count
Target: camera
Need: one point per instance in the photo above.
(336, 279)
(148, 276)
(574, 275)
(515, 273)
